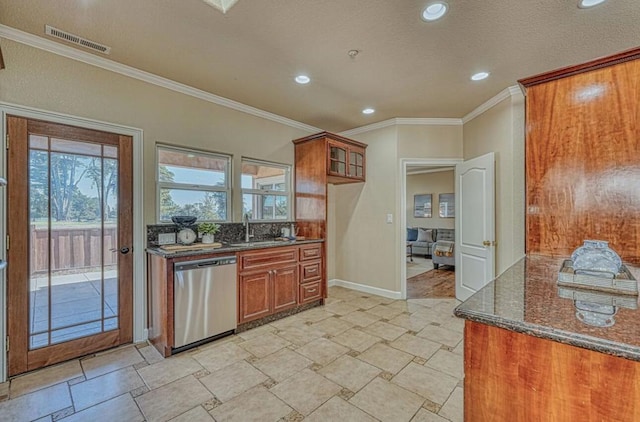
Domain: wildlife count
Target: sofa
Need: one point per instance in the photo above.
(422, 240)
(443, 253)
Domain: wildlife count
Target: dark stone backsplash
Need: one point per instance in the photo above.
(229, 232)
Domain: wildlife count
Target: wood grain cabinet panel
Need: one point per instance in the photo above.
(310, 291)
(285, 288)
(313, 251)
(255, 296)
(310, 271)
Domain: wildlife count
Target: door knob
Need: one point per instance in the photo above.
(124, 250)
(486, 243)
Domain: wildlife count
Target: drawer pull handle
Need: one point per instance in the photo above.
(312, 290)
(312, 270)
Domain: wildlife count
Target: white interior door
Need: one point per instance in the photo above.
(475, 224)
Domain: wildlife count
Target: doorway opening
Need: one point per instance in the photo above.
(427, 206)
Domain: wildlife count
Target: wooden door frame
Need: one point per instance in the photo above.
(401, 236)
(139, 242)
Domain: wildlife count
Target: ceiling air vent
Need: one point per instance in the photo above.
(66, 36)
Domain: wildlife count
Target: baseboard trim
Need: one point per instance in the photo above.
(365, 289)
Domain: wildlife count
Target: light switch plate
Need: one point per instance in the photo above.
(166, 238)
(389, 218)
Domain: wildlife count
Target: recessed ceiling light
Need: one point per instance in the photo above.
(435, 11)
(303, 79)
(368, 111)
(585, 4)
(480, 76)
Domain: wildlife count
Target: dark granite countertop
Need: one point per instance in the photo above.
(527, 299)
(226, 248)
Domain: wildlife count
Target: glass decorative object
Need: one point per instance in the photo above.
(595, 257)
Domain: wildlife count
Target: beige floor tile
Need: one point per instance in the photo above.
(427, 382)
(121, 408)
(361, 319)
(282, 364)
(257, 405)
(417, 346)
(385, 330)
(386, 358)
(424, 415)
(218, 356)
(45, 378)
(173, 399)
(459, 349)
(37, 404)
(306, 391)
(333, 326)
(264, 345)
(340, 308)
(257, 332)
(197, 414)
(150, 354)
(387, 402)
(169, 370)
(322, 351)
(287, 322)
(441, 335)
(349, 372)
(447, 362)
(453, 408)
(337, 410)
(233, 380)
(315, 314)
(109, 361)
(301, 334)
(44, 419)
(385, 311)
(105, 387)
(410, 322)
(454, 324)
(343, 293)
(428, 303)
(406, 306)
(356, 339)
(367, 302)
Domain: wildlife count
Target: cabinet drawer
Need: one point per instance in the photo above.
(312, 251)
(267, 258)
(310, 271)
(310, 292)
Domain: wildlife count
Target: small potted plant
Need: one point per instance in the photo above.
(208, 230)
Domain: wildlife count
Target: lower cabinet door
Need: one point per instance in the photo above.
(310, 292)
(255, 296)
(285, 288)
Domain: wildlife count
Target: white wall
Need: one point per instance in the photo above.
(435, 184)
(501, 130)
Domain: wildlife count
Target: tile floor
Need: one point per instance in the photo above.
(359, 358)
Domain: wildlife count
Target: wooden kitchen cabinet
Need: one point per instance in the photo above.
(268, 282)
(321, 159)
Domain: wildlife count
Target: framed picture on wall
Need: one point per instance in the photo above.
(447, 205)
(422, 205)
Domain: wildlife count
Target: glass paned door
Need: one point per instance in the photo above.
(337, 160)
(69, 201)
(73, 213)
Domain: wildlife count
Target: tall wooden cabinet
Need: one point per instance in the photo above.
(321, 159)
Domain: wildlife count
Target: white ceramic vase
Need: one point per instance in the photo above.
(207, 238)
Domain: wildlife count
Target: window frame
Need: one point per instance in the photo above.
(261, 193)
(227, 189)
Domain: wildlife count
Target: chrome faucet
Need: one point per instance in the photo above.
(245, 222)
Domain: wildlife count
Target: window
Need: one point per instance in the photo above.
(266, 190)
(193, 183)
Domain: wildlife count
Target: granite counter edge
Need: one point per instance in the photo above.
(573, 339)
(224, 249)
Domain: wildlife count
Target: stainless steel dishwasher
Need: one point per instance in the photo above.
(205, 300)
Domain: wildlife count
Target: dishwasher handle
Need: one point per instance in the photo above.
(204, 263)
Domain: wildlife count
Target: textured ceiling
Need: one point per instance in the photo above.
(406, 67)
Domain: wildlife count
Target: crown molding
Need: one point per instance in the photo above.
(508, 92)
(122, 69)
(419, 121)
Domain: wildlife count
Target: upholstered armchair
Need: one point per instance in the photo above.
(443, 253)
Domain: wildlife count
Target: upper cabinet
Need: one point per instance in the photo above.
(345, 162)
(344, 159)
(321, 159)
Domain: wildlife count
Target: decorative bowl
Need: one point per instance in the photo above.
(184, 220)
